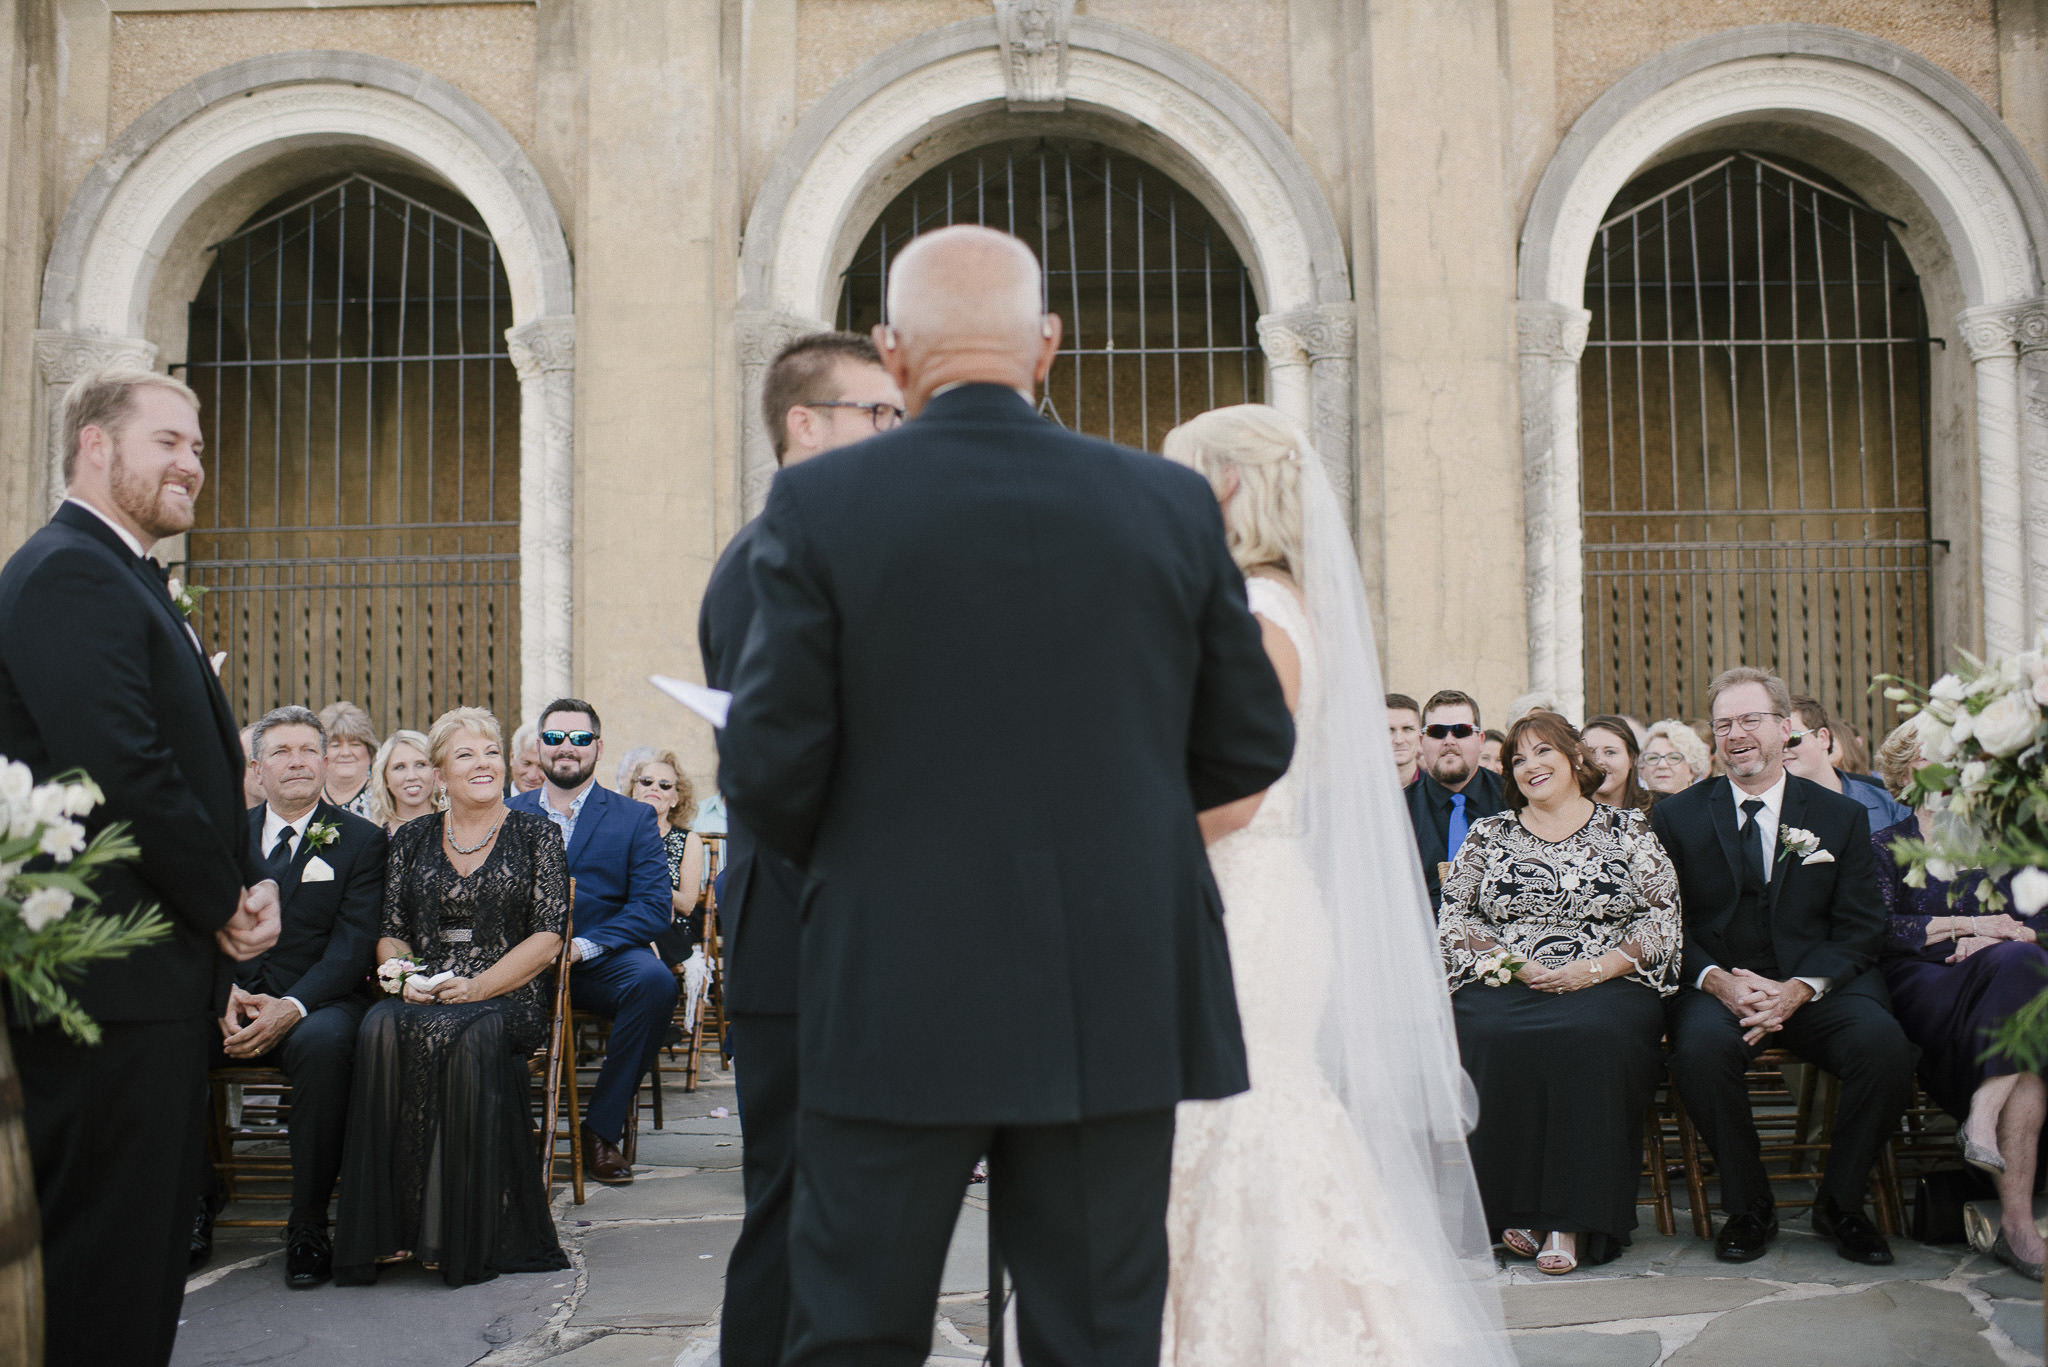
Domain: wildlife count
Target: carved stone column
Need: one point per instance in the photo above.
(762, 333)
(62, 358)
(1549, 338)
(2031, 334)
(544, 354)
(1309, 355)
(1993, 338)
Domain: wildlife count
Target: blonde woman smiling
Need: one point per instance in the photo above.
(403, 784)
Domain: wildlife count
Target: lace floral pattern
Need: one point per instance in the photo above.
(1608, 885)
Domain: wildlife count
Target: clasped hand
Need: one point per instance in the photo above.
(1761, 1005)
(254, 926)
(451, 991)
(1564, 978)
(255, 1022)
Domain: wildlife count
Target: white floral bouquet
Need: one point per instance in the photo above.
(392, 973)
(48, 931)
(1497, 967)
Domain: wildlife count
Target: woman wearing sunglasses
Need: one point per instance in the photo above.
(659, 781)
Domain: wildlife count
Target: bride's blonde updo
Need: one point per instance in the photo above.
(1264, 448)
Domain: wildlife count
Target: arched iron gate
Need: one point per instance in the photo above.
(1158, 310)
(359, 531)
(1754, 410)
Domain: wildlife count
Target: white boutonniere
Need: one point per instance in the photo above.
(321, 834)
(1805, 844)
(185, 596)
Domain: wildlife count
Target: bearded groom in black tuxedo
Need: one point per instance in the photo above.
(298, 1006)
(995, 671)
(1782, 923)
(99, 671)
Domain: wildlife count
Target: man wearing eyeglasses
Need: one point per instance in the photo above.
(821, 392)
(1453, 790)
(622, 903)
(1782, 919)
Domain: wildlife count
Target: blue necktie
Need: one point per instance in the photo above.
(1458, 823)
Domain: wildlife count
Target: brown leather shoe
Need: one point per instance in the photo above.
(602, 1159)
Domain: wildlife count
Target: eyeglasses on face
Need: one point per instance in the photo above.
(884, 416)
(1748, 721)
(665, 784)
(1660, 760)
(579, 739)
(1446, 730)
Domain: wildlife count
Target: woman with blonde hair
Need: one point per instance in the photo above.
(658, 780)
(1351, 1142)
(403, 784)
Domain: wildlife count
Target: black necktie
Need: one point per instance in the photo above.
(1753, 841)
(281, 853)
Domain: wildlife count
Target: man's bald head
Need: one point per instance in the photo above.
(964, 304)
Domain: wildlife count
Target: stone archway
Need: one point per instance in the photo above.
(1925, 128)
(847, 159)
(147, 202)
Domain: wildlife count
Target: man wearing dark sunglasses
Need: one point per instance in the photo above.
(1806, 755)
(1453, 791)
(622, 903)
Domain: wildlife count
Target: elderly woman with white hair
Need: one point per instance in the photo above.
(1673, 759)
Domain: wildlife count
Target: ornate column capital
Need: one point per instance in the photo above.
(1992, 330)
(1033, 34)
(1546, 328)
(63, 357)
(1323, 332)
(543, 346)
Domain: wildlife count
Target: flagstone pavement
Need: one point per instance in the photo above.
(649, 1264)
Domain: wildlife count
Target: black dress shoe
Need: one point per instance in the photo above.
(308, 1257)
(1855, 1237)
(202, 1229)
(1746, 1237)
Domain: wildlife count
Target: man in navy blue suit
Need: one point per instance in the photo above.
(622, 903)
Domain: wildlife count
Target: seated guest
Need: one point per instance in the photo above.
(1955, 974)
(403, 784)
(1783, 921)
(1809, 752)
(351, 742)
(1452, 791)
(526, 774)
(623, 900)
(629, 762)
(297, 1006)
(252, 775)
(1611, 742)
(1585, 894)
(440, 1164)
(659, 782)
(1490, 749)
(1404, 733)
(1674, 758)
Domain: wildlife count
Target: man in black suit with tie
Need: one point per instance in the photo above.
(995, 671)
(1782, 923)
(99, 671)
(821, 392)
(297, 1007)
(1452, 791)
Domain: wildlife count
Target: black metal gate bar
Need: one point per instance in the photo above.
(333, 333)
(1118, 240)
(1739, 532)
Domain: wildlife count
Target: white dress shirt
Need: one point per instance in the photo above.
(1767, 821)
(565, 822)
(274, 826)
(127, 537)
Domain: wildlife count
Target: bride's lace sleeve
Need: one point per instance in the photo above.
(1652, 938)
(1463, 928)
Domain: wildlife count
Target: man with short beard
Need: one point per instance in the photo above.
(99, 671)
(1453, 791)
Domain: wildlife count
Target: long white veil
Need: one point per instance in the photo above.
(1387, 1045)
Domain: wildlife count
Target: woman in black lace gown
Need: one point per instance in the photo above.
(440, 1162)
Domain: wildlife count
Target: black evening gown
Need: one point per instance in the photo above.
(1563, 1079)
(441, 1160)
(1950, 1010)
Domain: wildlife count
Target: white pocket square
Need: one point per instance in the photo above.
(317, 870)
(1818, 857)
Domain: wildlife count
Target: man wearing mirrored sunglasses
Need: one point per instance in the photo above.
(622, 903)
(1453, 791)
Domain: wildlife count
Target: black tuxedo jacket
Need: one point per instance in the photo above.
(1827, 918)
(327, 936)
(1429, 812)
(99, 672)
(758, 907)
(994, 671)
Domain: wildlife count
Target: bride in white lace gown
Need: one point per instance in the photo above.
(1329, 1215)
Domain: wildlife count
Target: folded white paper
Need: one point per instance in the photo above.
(427, 983)
(317, 870)
(712, 704)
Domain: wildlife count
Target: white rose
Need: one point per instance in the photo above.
(2030, 890)
(16, 783)
(2007, 725)
(1942, 869)
(1933, 734)
(61, 840)
(1962, 729)
(43, 906)
(1947, 688)
(1973, 773)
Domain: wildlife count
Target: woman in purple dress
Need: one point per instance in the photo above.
(1955, 973)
